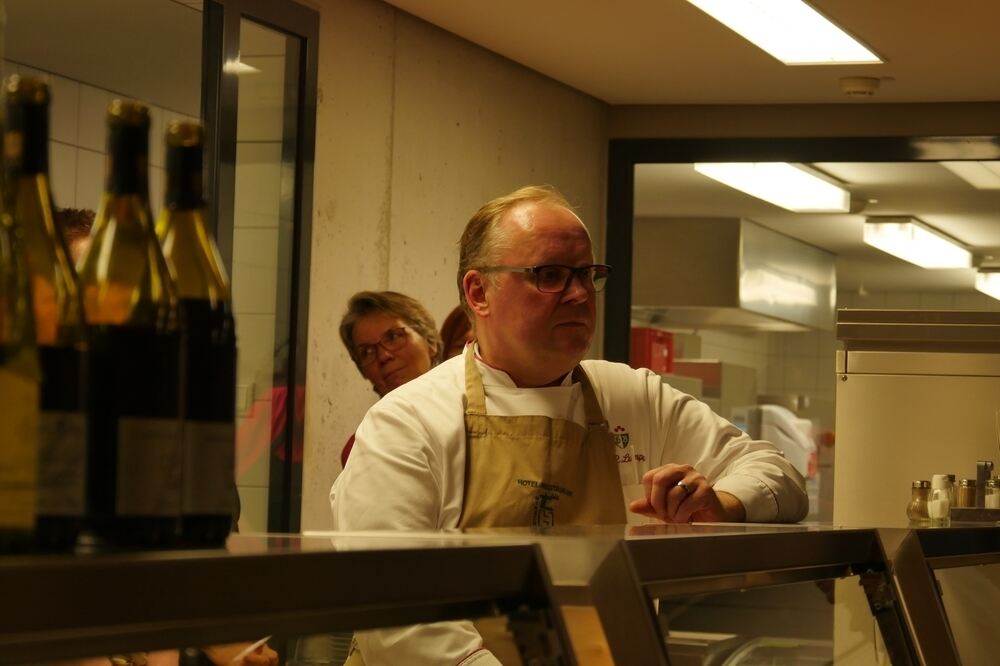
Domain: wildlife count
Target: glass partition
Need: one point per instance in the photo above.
(711, 595)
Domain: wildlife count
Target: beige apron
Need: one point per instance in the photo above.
(536, 471)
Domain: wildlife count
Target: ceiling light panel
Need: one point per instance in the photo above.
(790, 30)
(981, 175)
(788, 186)
(912, 241)
(988, 282)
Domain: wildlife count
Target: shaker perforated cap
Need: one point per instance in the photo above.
(941, 480)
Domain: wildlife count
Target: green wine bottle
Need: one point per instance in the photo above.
(209, 343)
(133, 374)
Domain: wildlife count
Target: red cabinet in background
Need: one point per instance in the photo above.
(652, 348)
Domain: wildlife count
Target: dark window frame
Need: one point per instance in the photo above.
(221, 35)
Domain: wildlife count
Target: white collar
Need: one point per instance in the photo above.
(497, 377)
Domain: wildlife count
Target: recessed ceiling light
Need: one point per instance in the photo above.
(791, 187)
(988, 282)
(911, 240)
(790, 30)
(239, 67)
(981, 175)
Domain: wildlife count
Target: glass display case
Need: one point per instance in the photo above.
(73, 606)
(666, 594)
(750, 594)
(949, 582)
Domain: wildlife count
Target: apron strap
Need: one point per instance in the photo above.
(475, 394)
(591, 408)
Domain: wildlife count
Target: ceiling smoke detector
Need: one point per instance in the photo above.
(859, 86)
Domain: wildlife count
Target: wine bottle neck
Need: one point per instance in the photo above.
(184, 187)
(26, 144)
(128, 161)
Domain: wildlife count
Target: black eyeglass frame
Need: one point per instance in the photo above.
(361, 350)
(574, 272)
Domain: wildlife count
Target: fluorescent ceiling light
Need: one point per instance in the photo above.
(981, 175)
(239, 67)
(782, 184)
(988, 282)
(790, 30)
(910, 240)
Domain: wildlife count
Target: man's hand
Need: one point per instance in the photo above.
(223, 655)
(681, 494)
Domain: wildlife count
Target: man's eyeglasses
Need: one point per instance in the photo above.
(555, 279)
(392, 340)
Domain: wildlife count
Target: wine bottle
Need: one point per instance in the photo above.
(209, 343)
(133, 371)
(58, 315)
(19, 391)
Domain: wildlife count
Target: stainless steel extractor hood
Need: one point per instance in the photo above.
(729, 273)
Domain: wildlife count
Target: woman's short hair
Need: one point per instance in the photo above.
(455, 329)
(484, 240)
(394, 304)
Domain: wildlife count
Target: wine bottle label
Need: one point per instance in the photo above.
(149, 467)
(208, 467)
(61, 463)
(18, 450)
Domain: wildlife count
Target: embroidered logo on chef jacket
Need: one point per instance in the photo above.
(623, 441)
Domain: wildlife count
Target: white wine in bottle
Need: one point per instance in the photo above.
(58, 315)
(18, 395)
(133, 359)
(209, 343)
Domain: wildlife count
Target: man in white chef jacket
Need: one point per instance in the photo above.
(519, 430)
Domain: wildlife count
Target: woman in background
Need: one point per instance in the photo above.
(391, 339)
(456, 331)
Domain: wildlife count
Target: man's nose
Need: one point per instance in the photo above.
(577, 291)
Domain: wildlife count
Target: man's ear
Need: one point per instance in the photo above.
(474, 285)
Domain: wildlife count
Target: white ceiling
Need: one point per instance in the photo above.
(669, 52)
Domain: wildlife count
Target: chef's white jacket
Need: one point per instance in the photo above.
(407, 468)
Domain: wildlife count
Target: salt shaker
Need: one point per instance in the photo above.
(993, 494)
(940, 502)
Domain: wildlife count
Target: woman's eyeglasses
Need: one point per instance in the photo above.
(392, 340)
(555, 278)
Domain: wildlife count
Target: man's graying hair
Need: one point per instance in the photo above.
(484, 240)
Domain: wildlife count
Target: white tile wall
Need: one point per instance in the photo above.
(62, 174)
(258, 184)
(255, 265)
(93, 109)
(64, 116)
(89, 178)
